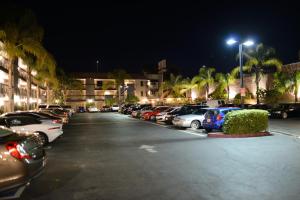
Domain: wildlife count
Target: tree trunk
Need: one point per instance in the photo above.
(28, 91)
(296, 93)
(228, 92)
(11, 84)
(257, 87)
(48, 94)
(37, 96)
(207, 91)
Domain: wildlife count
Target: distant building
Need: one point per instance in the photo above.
(97, 87)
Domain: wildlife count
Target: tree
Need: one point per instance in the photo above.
(258, 60)
(20, 38)
(119, 75)
(65, 83)
(288, 81)
(172, 87)
(204, 79)
(225, 80)
(46, 75)
(132, 99)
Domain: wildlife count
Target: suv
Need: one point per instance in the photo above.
(214, 118)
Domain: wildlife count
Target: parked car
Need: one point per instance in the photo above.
(58, 113)
(139, 112)
(105, 109)
(93, 109)
(22, 159)
(184, 110)
(286, 110)
(49, 106)
(37, 115)
(47, 131)
(193, 120)
(115, 108)
(69, 108)
(124, 108)
(161, 117)
(152, 114)
(80, 109)
(214, 118)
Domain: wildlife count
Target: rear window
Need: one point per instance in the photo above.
(42, 106)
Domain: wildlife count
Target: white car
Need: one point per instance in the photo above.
(115, 108)
(161, 117)
(193, 121)
(93, 109)
(47, 130)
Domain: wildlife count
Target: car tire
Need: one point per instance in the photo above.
(152, 118)
(208, 130)
(195, 124)
(44, 138)
(284, 115)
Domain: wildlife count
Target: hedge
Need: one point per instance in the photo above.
(245, 121)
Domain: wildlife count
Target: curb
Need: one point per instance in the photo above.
(222, 135)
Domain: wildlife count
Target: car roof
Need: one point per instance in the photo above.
(224, 108)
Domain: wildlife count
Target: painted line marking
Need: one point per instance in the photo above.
(148, 148)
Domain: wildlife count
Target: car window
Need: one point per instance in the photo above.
(42, 106)
(15, 122)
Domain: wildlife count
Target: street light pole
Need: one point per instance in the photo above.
(247, 44)
(241, 73)
(97, 64)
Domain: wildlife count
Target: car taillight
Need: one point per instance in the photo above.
(17, 151)
(57, 121)
(57, 127)
(219, 117)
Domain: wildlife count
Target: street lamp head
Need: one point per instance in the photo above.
(97, 61)
(231, 41)
(248, 43)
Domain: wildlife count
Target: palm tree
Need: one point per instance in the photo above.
(47, 73)
(225, 80)
(119, 75)
(20, 38)
(172, 87)
(258, 60)
(289, 81)
(204, 79)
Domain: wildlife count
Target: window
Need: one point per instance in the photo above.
(142, 84)
(142, 93)
(99, 84)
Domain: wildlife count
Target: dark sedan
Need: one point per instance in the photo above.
(286, 110)
(22, 158)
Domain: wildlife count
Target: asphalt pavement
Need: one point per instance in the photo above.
(110, 156)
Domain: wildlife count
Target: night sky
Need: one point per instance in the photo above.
(135, 36)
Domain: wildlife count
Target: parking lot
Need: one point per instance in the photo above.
(112, 156)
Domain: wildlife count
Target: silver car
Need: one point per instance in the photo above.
(193, 120)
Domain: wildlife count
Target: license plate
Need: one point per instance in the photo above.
(208, 120)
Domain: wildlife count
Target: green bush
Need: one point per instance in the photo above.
(245, 121)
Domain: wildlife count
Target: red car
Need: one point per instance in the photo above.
(151, 115)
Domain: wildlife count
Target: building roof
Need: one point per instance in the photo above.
(96, 75)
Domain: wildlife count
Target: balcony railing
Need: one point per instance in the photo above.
(3, 89)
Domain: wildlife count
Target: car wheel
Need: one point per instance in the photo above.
(44, 138)
(284, 115)
(195, 124)
(208, 130)
(152, 118)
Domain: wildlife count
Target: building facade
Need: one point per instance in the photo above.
(98, 87)
(20, 77)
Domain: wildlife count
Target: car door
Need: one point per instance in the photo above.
(22, 123)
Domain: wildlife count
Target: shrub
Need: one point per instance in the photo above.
(245, 121)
